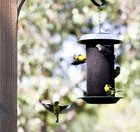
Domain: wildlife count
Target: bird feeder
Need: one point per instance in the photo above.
(100, 70)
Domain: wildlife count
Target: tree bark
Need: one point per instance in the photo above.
(8, 65)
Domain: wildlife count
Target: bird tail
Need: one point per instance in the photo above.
(57, 118)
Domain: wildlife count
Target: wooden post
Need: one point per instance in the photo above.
(8, 65)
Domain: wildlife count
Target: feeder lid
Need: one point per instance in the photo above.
(101, 99)
(100, 38)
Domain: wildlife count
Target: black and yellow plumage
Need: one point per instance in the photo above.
(110, 91)
(57, 109)
(80, 59)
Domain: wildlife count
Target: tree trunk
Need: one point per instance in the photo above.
(8, 65)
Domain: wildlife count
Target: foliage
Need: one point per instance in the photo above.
(48, 31)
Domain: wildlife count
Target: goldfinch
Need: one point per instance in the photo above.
(110, 90)
(80, 59)
(57, 109)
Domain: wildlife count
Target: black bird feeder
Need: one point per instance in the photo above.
(100, 69)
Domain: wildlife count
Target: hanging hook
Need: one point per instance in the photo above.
(103, 2)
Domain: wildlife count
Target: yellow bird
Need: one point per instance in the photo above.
(110, 90)
(57, 109)
(80, 59)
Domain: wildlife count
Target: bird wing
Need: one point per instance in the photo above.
(67, 108)
(77, 62)
(105, 51)
(49, 107)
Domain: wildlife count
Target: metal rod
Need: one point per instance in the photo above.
(100, 25)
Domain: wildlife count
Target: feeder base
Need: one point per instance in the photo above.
(101, 99)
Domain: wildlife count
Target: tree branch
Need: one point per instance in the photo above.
(20, 6)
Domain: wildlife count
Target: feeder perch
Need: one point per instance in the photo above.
(100, 70)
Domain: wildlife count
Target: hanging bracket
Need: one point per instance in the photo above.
(99, 5)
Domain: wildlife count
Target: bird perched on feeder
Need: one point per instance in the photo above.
(80, 59)
(57, 109)
(106, 52)
(117, 71)
(110, 91)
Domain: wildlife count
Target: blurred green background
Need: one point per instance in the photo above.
(48, 31)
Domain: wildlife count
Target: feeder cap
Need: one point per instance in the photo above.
(100, 38)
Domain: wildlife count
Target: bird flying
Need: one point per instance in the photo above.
(110, 91)
(57, 109)
(80, 59)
